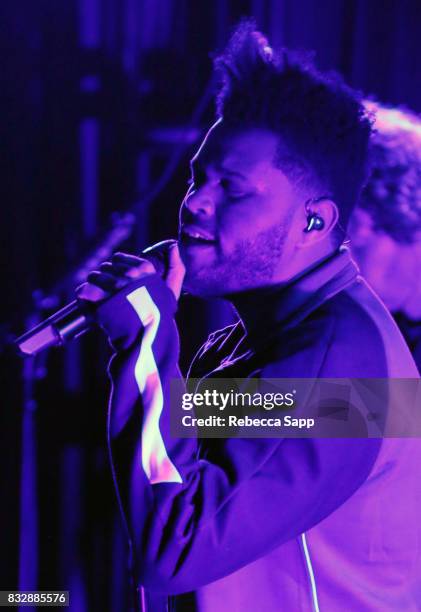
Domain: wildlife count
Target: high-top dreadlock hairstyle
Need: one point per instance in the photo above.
(322, 126)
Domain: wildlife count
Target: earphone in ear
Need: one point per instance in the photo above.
(314, 222)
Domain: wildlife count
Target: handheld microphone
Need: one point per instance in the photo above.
(77, 317)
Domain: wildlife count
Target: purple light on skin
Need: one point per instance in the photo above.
(243, 238)
(389, 267)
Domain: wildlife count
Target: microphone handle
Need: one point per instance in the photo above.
(77, 317)
(65, 324)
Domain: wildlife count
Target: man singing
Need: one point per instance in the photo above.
(264, 525)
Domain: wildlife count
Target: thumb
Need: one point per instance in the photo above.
(176, 271)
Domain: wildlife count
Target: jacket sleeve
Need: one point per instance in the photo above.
(194, 519)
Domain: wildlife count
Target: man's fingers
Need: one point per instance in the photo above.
(107, 268)
(115, 269)
(132, 266)
(126, 258)
(105, 281)
(114, 275)
(91, 293)
(135, 267)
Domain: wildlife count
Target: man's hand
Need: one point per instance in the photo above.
(123, 268)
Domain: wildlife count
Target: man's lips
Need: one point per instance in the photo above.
(190, 234)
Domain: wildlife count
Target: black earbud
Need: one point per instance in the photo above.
(314, 222)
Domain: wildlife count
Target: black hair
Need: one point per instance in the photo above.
(323, 128)
(392, 196)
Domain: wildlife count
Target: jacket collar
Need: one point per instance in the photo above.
(283, 307)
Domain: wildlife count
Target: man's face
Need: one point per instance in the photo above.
(235, 222)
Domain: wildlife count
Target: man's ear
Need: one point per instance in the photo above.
(321, 218)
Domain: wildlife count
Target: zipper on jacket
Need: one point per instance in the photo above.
(310, 572)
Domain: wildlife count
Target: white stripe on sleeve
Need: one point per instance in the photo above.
(155, 461)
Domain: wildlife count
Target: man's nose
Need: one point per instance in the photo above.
(200, 203)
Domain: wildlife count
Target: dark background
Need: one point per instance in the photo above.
(101, 104)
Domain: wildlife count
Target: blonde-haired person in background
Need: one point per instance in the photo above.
(385, 228)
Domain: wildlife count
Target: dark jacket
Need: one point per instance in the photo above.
(266, 524)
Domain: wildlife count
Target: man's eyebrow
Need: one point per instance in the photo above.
(232, 172)
(197, 166)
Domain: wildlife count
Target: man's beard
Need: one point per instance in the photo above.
(252, 264)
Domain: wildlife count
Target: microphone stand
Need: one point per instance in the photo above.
(34, 369)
